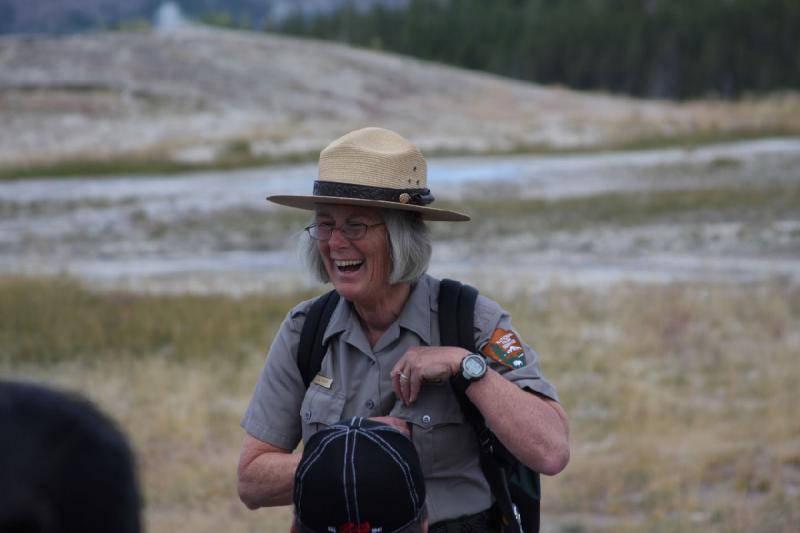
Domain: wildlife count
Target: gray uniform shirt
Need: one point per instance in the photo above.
(354, 381)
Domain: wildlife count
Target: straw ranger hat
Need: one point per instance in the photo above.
(372, 167)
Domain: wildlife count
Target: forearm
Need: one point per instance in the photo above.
(533, 429)
(268, 480)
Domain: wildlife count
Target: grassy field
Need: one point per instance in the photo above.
(680, 397)
(630, 208)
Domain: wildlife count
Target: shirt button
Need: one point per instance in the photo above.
(307, 416)
(372, 362)
(426, 419)
(370, 404)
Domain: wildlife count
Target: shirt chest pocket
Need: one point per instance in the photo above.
(445, 441)
(320, 408)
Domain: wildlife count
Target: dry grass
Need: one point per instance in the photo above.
(681, 398)
(182, 418)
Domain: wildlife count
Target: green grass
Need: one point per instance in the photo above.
(713, 204)
(261, 229)
(643, 142)
(10, 209)
(238, 154)
(700, 138)
(51, 320)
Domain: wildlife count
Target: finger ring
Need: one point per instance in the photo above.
(403, 377)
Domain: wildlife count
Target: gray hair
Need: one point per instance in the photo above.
(409, 248)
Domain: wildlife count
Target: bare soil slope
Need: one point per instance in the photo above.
(204, 95)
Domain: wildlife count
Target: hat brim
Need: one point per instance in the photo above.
(310, 202)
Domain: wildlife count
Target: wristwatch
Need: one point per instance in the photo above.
(473, 368)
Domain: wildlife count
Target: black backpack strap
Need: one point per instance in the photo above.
(456, 328)
(311, 350)
(449, 293)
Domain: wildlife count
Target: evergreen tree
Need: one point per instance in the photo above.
(657, 48)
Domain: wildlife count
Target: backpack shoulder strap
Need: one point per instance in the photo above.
(456, 328)
(456, 314)
(311, 350)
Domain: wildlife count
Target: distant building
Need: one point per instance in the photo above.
(168, 16)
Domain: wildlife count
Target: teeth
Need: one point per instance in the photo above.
(347, 263)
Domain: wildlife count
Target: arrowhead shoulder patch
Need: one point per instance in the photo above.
(505, 347)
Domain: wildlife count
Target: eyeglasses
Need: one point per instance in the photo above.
(352, 231)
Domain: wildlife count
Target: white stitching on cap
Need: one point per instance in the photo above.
(320, 449)
(355, 481)
(404, 466)
(312, 459)
(344, 476)
(348, 431)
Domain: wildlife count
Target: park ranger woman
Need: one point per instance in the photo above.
(383, 360)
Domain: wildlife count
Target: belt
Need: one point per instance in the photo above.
(482, 522)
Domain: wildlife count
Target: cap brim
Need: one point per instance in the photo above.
(311, 202)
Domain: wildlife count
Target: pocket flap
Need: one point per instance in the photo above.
(436, 405)
(321, 407)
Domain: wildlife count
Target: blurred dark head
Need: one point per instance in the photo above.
(359, 476)
(64, 466)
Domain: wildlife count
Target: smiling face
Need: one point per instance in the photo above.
(359, 270)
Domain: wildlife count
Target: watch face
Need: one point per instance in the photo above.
(474, 366)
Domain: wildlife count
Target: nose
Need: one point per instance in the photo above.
(337, 240)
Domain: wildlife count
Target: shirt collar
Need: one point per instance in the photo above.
(415, 316)
(339, 320)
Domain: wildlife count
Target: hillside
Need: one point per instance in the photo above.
(208, 96)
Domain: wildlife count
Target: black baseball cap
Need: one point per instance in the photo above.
(359, 476)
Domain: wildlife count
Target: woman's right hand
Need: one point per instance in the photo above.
(421, 364)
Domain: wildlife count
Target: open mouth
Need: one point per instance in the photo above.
(348, 266)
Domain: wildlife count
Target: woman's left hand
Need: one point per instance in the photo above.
(424, 363)
(395, 422)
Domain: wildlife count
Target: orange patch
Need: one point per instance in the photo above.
(505, 347)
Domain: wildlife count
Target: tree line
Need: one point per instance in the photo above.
(652, 48)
